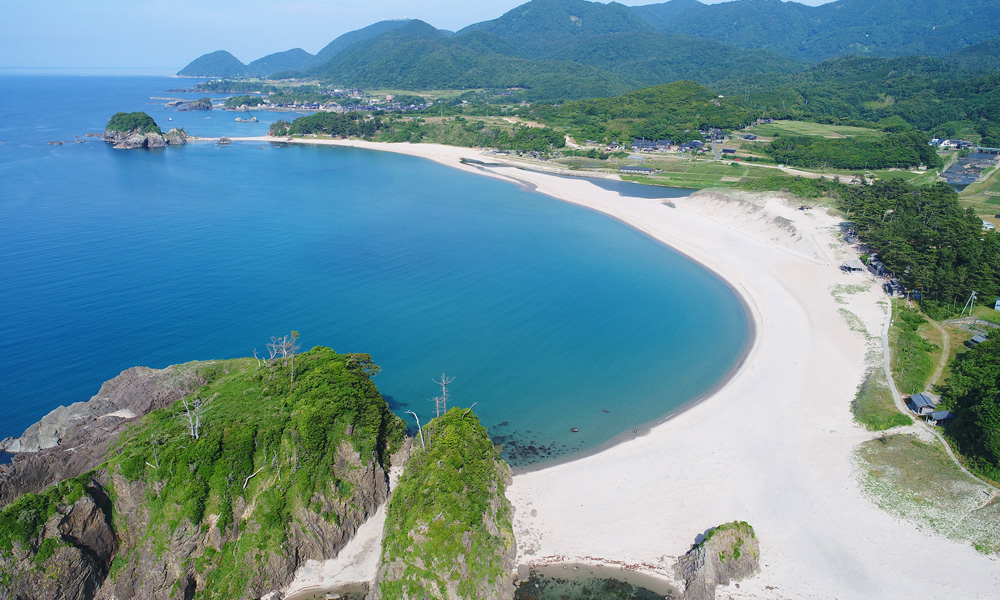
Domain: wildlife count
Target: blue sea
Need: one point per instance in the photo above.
(549, 317)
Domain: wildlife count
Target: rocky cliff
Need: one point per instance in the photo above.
(448, 533)
(727, 553)
(138, 130)
(72, 440)
(238, 473)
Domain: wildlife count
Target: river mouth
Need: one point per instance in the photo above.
(572, 581)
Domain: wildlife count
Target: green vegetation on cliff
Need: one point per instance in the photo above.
(263, 453)
(23, 519)
(138, 122)
(448, 532)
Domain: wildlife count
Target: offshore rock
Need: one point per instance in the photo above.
(125, 141)
(175, 137)
(729, 552)
(155, 140)
(127, 131)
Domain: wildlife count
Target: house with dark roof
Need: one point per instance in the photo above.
(640, 145)
(923, 403)
(975, 341)
(729, 150)
(938, 417)
(637, 170)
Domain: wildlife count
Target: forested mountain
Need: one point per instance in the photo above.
(650, 58)
(417, 56)
(540, 28)
(874, 27)
(353, 37)
(289, 60)
(223, 64)
(215, 64)
(930, 94)
(572, 49)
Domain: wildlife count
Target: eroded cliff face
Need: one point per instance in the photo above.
(131, 140)
(70, 556)
(158, 572)
(277, 473)
(728, 553)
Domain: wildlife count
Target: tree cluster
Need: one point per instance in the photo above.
(894, 150)
(973, 396)
(139, 122)
(333, 124)
(675, 111)
(927, 239)
(238, 101)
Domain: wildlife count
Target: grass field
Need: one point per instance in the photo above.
(914, 351)
(804, 128)
(915, 480)
(698, 175)
(435, 94)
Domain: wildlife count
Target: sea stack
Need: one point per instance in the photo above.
(129, 131)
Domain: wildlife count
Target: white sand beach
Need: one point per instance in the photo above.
(772, 447)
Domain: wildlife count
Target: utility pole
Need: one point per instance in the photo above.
(970, 304)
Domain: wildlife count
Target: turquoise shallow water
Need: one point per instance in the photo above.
(549, 316)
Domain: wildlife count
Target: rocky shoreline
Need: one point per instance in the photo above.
(94, 525)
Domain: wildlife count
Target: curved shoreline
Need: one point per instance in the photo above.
(642, 429)
(471, 160)
(773, 446)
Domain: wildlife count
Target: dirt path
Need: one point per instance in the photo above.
(919, 424)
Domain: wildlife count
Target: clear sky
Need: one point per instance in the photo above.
(162, 36)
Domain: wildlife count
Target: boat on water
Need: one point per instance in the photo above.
(250, 119)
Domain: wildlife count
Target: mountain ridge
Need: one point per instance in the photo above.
(572, 49)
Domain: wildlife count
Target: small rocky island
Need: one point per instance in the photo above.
(135, 130)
